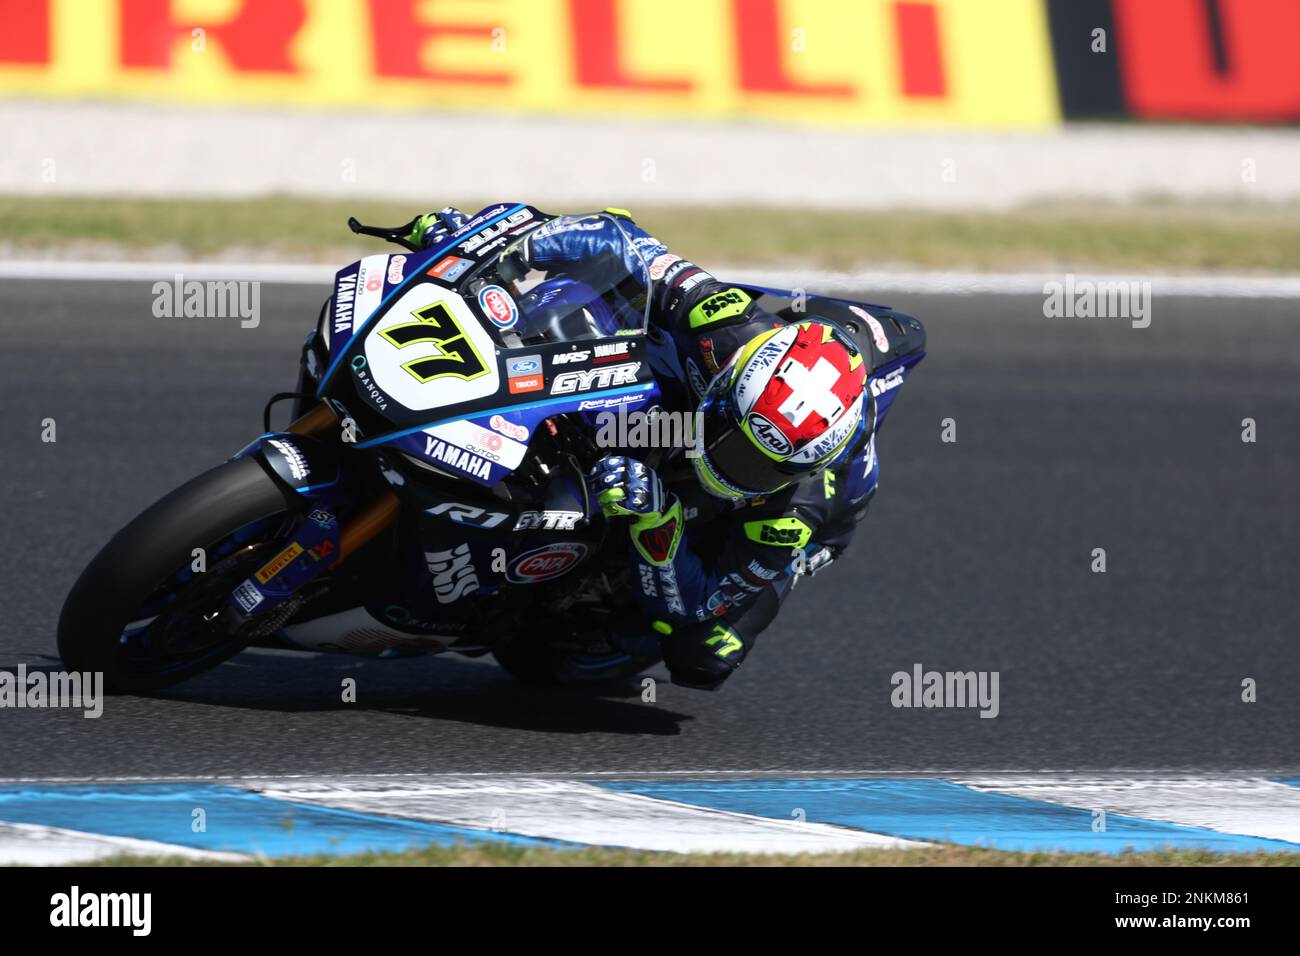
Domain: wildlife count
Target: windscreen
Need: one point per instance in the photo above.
(602, 289)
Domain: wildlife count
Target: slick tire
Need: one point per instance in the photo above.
(147, 553)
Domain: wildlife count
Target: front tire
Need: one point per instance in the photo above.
(130, 579)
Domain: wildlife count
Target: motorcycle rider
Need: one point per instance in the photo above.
(786, 469)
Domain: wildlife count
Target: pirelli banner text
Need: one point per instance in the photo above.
(976, 63)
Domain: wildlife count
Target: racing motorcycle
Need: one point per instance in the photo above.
(430, 493)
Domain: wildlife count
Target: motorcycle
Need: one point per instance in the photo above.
(430, 493)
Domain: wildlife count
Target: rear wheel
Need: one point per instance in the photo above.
(141, 614)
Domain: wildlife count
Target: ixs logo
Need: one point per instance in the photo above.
(648, 586)
(542, 564)
(453, 573)
(715, 304)
(588, 379)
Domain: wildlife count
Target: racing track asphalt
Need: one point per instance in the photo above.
(1071, 435)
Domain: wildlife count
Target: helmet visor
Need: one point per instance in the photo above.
(732, 456)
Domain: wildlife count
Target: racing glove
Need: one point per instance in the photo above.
(433, 227)
(626, 488)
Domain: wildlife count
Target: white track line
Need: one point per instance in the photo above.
(34, 845)
(1251, 807)
(872, 282)
(1046, 774)
(579, 813)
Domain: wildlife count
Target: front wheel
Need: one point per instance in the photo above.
(143, 613)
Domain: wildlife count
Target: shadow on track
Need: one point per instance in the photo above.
(445, 689)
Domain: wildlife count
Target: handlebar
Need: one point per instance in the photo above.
(396, 234)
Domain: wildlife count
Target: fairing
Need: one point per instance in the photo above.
(450, 356)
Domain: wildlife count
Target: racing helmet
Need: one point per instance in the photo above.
(787, 404)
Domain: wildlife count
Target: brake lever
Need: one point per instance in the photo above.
(396, 235)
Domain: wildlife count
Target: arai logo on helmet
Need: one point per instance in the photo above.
(542, 564)
(768, 435)
(498, 306)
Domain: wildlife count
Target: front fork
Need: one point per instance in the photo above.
(303, 460)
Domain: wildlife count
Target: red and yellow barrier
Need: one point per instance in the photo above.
(975, 63)
(931, 62)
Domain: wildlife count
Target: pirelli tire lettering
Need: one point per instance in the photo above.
(993, 64)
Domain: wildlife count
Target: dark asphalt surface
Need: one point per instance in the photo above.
(1072, 435)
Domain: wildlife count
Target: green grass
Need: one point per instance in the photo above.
(1151, 234)
(503, 855)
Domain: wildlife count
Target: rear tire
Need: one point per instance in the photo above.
(147, 553)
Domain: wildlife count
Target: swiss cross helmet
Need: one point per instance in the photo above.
(788, 403)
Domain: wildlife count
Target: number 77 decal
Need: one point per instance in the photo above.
(437, 326)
